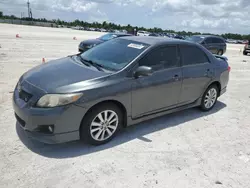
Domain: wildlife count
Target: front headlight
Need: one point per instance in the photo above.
(53, 100)
(91, 46)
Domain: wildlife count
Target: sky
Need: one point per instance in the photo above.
(214, 16)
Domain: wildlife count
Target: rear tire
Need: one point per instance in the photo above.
(101, 124)
(244, 53)
(209, 98)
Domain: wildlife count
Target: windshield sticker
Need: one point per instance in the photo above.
(137, 46)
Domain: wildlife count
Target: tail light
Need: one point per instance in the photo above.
(229, 68)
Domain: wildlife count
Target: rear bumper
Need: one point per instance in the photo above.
(223, 91)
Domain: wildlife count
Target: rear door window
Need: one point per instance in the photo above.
(217, 40)
(221, 41)
(214, 40)
(209, 40)
(192, 55)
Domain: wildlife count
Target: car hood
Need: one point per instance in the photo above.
(91, 41)
(63, 76)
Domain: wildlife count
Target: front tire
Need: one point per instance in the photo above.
(209, 98)
(101, 124)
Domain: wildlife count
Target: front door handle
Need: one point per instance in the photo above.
(176, 77)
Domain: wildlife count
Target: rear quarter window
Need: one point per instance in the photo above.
(192, 55)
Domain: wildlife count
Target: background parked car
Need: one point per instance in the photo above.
(87, 44)
(214, 44)
(158, 35)
(246, 48)
(154, 35)
(179, 37)
(231, 41)
(143, 33)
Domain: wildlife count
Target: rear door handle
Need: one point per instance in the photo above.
(207, 72)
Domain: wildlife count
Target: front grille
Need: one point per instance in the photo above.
(24, 95)
(20, 121)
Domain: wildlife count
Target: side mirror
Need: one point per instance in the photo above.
(143, 71)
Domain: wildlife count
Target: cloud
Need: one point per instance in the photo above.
(75, 6)
(194, 15)
(209, 2)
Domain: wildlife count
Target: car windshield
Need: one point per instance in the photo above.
(114, 54)
(195, 38)
(108, 37)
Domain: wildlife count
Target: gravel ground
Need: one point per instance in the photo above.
(188, 149)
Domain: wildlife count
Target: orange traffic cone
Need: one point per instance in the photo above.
(43, 60)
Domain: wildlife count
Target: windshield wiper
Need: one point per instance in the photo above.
(94, 64)
(84, 61)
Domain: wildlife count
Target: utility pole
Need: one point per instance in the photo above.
(31, 14)
(28, 3)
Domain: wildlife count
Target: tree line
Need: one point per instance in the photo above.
(113, 26)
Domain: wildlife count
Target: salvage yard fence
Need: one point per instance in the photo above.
(24, 22)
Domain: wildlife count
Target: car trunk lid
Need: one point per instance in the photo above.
(223, 61)
(221, 57)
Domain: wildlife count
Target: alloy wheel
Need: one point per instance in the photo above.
(104, 125)
(210, 98)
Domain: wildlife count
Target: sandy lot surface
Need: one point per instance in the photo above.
(188, 149)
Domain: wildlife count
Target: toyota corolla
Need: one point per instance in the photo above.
(124, 81)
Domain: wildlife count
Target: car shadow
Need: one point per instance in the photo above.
(139, 131)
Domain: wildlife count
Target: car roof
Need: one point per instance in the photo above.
(150, 40)
(208, 36)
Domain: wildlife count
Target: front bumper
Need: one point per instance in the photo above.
(65, 120)
(54, 138)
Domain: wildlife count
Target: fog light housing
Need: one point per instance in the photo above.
(50, 129)
(46, 129)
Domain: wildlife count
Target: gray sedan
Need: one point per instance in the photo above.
(121, 82)
(214, 44)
